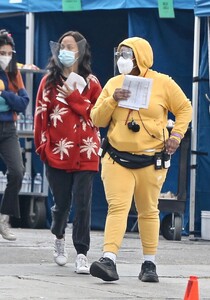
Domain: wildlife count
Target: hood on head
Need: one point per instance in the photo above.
(142, 51)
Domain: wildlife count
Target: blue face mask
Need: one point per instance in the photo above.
(67, 58)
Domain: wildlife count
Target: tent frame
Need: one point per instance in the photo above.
(193, 163)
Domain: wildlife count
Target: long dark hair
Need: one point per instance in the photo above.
(6, 39)
(84, 64)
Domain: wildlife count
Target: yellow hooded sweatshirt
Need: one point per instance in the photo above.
(166, 96)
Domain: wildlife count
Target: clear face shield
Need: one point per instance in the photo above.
(56, 48)
(124, 52)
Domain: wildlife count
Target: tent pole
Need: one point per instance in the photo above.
(29, 55)
(29, 38)
(194, 124)
(29, 58)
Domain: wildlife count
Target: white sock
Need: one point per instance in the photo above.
(110, 255)
(149, 258)
(4, 218)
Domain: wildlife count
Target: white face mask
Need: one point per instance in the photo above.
(125, 66)
(4, 61)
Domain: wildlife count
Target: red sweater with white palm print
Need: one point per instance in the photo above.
(65, 136)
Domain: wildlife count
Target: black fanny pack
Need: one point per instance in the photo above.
(128, 160)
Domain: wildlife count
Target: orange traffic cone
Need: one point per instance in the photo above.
(192, 292)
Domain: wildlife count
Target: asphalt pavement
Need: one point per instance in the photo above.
(27, 269)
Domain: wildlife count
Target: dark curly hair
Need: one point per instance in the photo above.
(84, 64)
(6, 39)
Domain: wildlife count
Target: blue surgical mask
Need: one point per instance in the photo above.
(67, 58)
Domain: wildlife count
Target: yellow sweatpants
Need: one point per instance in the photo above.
(120, 185)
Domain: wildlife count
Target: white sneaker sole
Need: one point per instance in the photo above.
(9, 238)
(82, 271)
(60, 263)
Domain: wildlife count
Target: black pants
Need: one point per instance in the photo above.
(10, 152)
(67, 189)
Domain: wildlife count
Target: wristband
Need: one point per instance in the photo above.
(175, 138)
(176, 135)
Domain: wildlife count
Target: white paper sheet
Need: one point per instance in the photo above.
(140, 89)
(80, 84)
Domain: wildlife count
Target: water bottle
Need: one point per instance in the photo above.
(24, 187)
(37, 187)
(29, 123)
(21, 122)
(28, 182)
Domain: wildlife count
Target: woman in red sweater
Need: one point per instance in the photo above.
(67, 141)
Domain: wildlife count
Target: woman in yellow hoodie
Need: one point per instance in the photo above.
(136, 153)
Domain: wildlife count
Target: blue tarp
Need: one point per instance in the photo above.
(7, 7)
(202, 8)
(117, 4)
(56, 5)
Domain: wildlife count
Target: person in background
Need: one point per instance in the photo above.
(13, 100)
(67, 141)
(137, 153)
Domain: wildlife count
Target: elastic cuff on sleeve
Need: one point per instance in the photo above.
(177, 135)
(175, 138)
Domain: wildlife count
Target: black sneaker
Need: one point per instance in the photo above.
(104, 269)
(148, 272)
